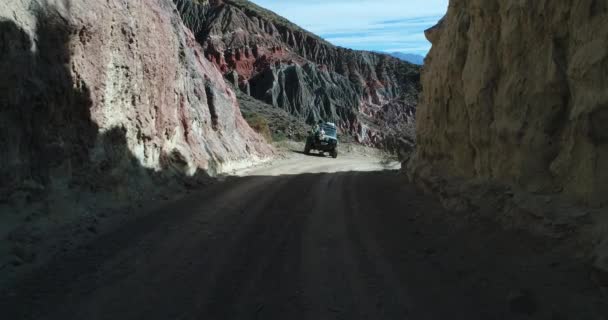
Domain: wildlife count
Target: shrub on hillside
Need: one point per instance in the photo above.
(259, 124)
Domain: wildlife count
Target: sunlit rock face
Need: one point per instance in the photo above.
(111, 91)
(277, 62)
(516, 92)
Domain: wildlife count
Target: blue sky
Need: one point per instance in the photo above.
(378, 25)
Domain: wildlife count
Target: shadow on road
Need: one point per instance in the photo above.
(364, 245)
(312, 154)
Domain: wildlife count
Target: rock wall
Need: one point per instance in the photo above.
(109, 93)
(279, 63)
(516, 92)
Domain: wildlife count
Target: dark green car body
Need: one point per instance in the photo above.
(326, 140)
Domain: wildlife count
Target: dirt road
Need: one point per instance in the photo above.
(315, 241)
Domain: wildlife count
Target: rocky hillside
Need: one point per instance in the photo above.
(515, 94)
(110, 94)
(281, 64)
(524, 103)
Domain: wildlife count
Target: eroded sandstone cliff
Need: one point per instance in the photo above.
(285, 66)
(515, 91)
(109, 93)
(106, 108)
(513, 115)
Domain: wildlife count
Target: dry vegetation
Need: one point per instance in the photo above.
(259, 124)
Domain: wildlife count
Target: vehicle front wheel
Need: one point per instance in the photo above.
(334, 154)
(307, 149)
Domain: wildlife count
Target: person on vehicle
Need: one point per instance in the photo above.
(317, 127)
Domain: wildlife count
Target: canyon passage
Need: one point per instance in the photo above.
(152, 165)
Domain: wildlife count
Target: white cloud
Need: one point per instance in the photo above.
(393, 21)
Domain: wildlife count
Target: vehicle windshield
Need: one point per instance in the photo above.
(329, 130)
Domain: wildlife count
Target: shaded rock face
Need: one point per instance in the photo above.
(307, 92)
(515, 92)
(107, 92)
(281, 64)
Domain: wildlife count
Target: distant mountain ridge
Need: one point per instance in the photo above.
(409, 57)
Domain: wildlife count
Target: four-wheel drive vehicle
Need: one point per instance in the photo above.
(324, 140)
